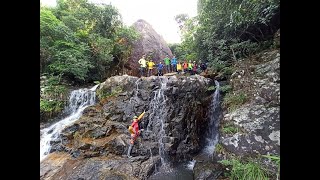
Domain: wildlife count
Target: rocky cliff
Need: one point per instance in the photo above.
(150, 43)
(96, 145)
(175, 123)
(259, 117)
(250, 126)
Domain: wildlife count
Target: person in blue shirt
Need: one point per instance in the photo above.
(174, 64)
(160, 68)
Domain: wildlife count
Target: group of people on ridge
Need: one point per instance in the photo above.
(146, 68)
(170, 65)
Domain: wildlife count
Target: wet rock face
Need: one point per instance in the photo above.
(181, 103)
(276, 40)
(259, 118)
(61, 166)
(176, 110)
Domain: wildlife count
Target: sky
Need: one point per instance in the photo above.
(159, 13)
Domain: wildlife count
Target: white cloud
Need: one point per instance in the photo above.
(159, 13)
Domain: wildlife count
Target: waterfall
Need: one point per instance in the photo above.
(157, 115)
(135, 92)
(191, 164)
(161, 98)
(214, 113)
(78, 101)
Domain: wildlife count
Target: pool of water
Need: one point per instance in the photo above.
(181, 171)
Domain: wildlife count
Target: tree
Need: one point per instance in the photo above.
(81, 41)
(126, 36)
(186, 50)
(231, 29)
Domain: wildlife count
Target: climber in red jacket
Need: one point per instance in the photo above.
(134, 131)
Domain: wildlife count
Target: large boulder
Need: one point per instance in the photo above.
(150, 43)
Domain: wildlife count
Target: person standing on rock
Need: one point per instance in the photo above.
(150, 67)
(167, 63)
(185, 66)
(143, 65)
(160, 68)
(174, 64)
(179, 67)
(190, 66)
(203, 66)
(194, 68)
(134, 131)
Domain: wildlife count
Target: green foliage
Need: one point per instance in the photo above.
(126, 36)
(227, 70)
(244, 48)
(217, 65)
(233, 101)
(108, 21)
(225, 89)
(230, 129)
(52, 89)
(276, 159)
(273, 158)
(71, 59)
(211, 88)
(82, 41)
(187, 49)
(51, 105)
(50, 26)
(229, 30)
(181, 18)
(53, 95)
(102, 58)
(219, 149)
(191, 57)
(106, 93)
(245, 170)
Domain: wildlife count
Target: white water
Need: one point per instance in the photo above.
(78, 101)
(156, 115)
(161, 98)
(214, 113)
(191, 164)
(135, 92)
(155, 106)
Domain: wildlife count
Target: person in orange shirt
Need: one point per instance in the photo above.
(185, 66)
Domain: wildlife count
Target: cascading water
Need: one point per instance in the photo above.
(191, 164)
(136, 91)
(185, 170)
(157, 115)
(161, 102)
(214, 114)
(78, 101)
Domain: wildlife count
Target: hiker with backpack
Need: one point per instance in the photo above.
(134, 131)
